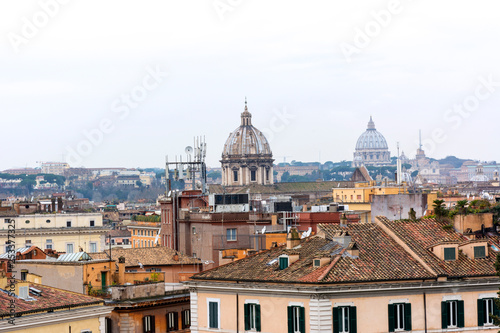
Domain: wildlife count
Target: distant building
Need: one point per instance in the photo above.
(56, 231)
(295, 170)
(247, 157)
(371, 148)
(55, 168)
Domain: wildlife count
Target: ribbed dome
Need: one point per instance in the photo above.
(371, 138)
(246, 139)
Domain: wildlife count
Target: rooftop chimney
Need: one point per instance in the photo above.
(293, 239)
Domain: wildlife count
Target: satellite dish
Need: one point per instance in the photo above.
(189, 150)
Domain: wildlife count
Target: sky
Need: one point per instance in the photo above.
(126, 83)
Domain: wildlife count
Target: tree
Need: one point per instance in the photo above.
(440, 209)
(461, 206)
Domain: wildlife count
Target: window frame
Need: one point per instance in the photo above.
(231, 234)
(186, 318)
(148, 324)
(452, 313)
(399, 315)
(483, 315)
(296, 319)
(447, 256)
(209, 312)
(172, 321)
(481, 249)
(342, 315)
(252, 317)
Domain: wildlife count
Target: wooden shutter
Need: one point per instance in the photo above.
(144, 324)
(302, 320)
(335, 313)
(246, 308)
(352, 320)
(461, 321)
(391, 317)
(290, 319)
(152, 323)
(480, 312)
(257, 317)
(444, 315)
(407, 316)
(214, 322)
(176, 321)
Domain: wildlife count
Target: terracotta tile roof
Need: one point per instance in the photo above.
(50, 298)
(380, 257)
(265, 266)
(420, 235)
(147, 256)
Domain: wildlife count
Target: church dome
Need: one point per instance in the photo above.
(371, 138)
(246, 139)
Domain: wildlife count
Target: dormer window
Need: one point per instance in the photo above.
(283, 262)
(449, 253)
(317, 263)
(479, 252)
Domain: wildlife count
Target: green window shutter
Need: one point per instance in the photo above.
(352, 319)
(479, 252)
(335, 313)
(444, 315)
(449, 253)
(257, 316)
(461, 321)
(246, 308)
(214, 322)
(480, 312)
(407, 316)
(283, 263)
(496, 305)
(290, 319)
(302, 320)
(391, 317)
(153, 324)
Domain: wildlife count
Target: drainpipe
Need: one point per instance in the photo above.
(425, 314)
(237, 313)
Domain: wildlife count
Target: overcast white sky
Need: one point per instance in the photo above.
(66, 72)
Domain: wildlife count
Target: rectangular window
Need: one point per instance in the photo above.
(296, 319)
(68, 224)
(253, 175)
(399, 317)
(194, 230)
(230, 235)
(283, 262)
(486, 307)
(359, 197)
(452, 314)
(23, 292)
(317, 263)
(24, 273)
(235, 175)
(93, 247)
(449, 253)
(213, 314)
(479, 252)
(69, 248)
(148, 324)
(186, 319)
(92, 223)
(252, 317)
(344, 319)
(172, 321)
